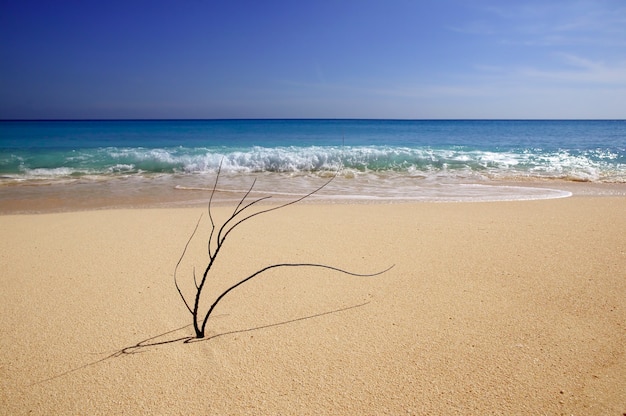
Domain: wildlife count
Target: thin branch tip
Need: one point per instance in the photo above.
(217, 238)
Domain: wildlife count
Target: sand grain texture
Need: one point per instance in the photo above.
(492, 308)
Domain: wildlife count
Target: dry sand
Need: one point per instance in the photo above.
(491, 308)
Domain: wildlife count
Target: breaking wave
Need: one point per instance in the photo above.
(598, 165)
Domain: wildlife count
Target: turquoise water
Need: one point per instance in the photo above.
(374, 158)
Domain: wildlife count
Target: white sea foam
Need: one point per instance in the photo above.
(367, 188)
(52, 173)
(369, 163)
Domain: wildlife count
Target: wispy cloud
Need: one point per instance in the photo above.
(553, 23)
(580, 70)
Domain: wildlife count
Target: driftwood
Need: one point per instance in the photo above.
(215, 243)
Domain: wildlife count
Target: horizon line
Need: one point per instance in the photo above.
(302, 119)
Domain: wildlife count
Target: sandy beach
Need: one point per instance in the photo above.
(491, 308)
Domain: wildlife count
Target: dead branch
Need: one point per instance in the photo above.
(216, 240)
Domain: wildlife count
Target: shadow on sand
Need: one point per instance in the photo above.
(170, 338)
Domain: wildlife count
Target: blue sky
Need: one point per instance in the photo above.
(315, 59)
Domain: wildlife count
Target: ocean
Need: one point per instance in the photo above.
(373, 160)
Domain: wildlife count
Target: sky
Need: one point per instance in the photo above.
(389, 59)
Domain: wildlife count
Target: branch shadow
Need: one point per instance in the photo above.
(304, 318)
(153, 342)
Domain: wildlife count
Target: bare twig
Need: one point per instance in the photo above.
(216, 242)
(181, 259)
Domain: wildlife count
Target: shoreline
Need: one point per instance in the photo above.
(491, 308)
(168, 193)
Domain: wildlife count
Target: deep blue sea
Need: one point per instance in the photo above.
(421, 159)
